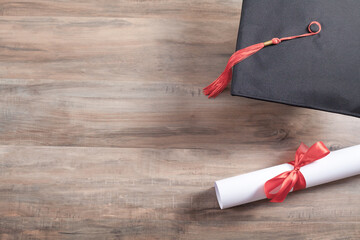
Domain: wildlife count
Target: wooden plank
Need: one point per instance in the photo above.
(221, 9)
(92, 193)
(121, 49)
(159, 115)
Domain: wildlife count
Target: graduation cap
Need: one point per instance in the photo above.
(302, 53)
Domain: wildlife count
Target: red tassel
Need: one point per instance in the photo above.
(216, 87)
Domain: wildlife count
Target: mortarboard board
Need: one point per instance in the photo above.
(319, 70)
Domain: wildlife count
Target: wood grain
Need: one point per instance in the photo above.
(212, 9)
(121, 49)
(160, 115)
(104, 132)
(114, 193)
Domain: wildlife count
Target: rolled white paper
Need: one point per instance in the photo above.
(249, 187)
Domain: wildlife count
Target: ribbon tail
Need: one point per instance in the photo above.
(286, 181)
(273, 184)
(286, 187)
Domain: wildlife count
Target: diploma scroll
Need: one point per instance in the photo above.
(249, 187)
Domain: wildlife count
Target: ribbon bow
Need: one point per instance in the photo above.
(294, 179)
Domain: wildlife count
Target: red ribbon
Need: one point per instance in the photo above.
(294, 179)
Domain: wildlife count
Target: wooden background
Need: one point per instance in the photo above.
(105, 133)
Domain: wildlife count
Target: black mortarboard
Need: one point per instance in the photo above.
(321, 71)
